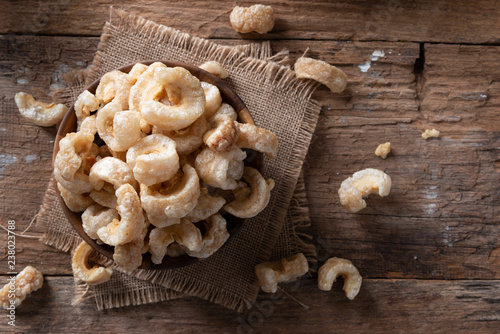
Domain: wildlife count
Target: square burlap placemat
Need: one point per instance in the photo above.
(277, 101)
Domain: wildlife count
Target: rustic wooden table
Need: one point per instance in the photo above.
(429, 253)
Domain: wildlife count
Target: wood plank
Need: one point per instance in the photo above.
(423, 20)
(382, 306)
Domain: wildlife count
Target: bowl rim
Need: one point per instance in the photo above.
(68, 125)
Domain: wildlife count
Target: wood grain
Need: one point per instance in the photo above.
(395, 20)
(395, 306)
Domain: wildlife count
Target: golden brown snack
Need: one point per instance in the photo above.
(114, 87)
(129, 256)
(383, 149)
(270, 274)
(113, 171)
(82, 269)
(222, 138)
(206, 206)
(430, 134)
(215, 68)
(74, 201)
(220, 169)
(27, 281)
(97, 216)
(39, 113)
(213, 99)
(257, 18)
(85, 104)
(105, 196)
(262, 140)
(328, 75)
(120, 129)
(334, 267)
(213, 239)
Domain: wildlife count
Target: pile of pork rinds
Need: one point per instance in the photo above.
(157, 155)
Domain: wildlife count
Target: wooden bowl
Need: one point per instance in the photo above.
(254, 159)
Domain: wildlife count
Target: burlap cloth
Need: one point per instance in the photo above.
(277, 101)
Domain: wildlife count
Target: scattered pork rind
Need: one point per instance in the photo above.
(189, 139)
(82, 269)
(262, 140)
(186, 98)
(136, 71)
(220, 169)
(97, 216)
(111, 170)
(129, 256)
(223, 136)
(206, 206)
(215, 68)
(250, 202)
(153, 159)
(85, 104)
(270, 274)
(334, 267)
(27, 281)
(105, 196)
(76, 202)
(225, 109)
(257, 18)
(88, 125)
(115, 87)
(213, 100)
(213, 239)
(120, 129)
(39, 113)
(430, 133)
(361, 184)
(383, 149)
(328, 75)
(184, 233)
(131, 221)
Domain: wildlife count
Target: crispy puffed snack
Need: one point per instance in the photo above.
(97, 216)
(129, 256)
(131, 221)
(213, 99)
(173, 201)
(262, 140)
(39, 113)
(105, 196)
(270, 274)
(114, 87)
(225, 109)
(361, 184)
(76, 202)
(85, 104)
(334, 267)
(113, 171)
(215, 68)
(153, 159)
(27, 281)
(120, 129)
(184, 233)
(73, 161)
(185, 95)
(136, 71)
(88, 125)
(329, 75)
(250, 205)
(189, 139)
(82, 269)
(175, 250)
(430, 134)
(257, 18)
(223, 136)
(220, 169)
(383, 149)
(206, 206)
(213, 239)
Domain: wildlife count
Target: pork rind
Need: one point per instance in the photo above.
(361, 184)
(129, 256)
(328, 75)
(105, 196)
(184, 233)
(270, 274)
(213, 239)
(335, 267)
(74, 201)
(85, 104)
(27, 281)
(114, 87)
(220, 169)
(39, 113)
(215, 68)
(257, 18)
(131, 221)
(97, 216)
(185, 95)
(174, 201)
(82, 269)
(383, 150)
(262, 140)
(146, 87)
(88, 125)
(111, 170)
(206, 206)
(222, 138)
(189, 139)
(153, 159)
(120, 129)
(430, 133)
(73, 161)
(136, 71)
(250, 203)
(213, 99)
(225, 109)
